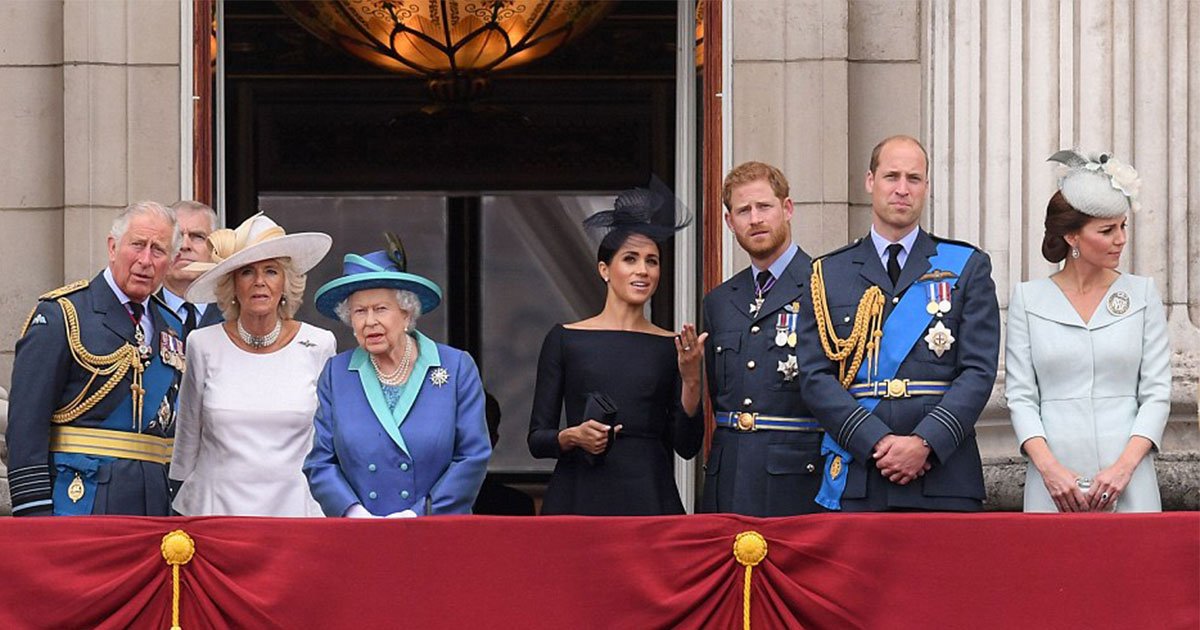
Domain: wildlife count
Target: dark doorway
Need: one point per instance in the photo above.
(488, 198)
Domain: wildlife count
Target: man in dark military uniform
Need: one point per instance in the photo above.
(91, 416)
(909, 331)
(765, 458)
(196, 221)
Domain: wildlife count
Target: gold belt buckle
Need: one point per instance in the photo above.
(745, 421)
(896, 388)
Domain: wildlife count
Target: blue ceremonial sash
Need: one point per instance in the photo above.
(156, 380)
(900, 332)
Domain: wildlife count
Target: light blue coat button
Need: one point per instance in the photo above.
(404, 466)
(371, 495)
(371, 467)
(404, 494)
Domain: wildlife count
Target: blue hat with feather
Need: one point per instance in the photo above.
(384, 269)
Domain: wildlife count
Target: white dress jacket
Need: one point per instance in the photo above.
(246, 423)
(1087, 387)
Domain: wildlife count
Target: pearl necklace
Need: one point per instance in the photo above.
(397, 376)
(256, 341)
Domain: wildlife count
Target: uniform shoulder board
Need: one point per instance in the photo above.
(65, 290)
(942, 239)
(157, 299)
(847, 247)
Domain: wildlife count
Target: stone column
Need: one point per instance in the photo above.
(31, 196)
(120, 118)
(791, 108)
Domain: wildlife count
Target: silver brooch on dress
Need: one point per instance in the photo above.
(1118, 303)
(439, 377)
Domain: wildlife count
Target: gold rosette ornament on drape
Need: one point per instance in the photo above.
(177, 549)
(749, 548)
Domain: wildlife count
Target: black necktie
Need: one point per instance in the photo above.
(763, 282)
(893, 266)
(189, 322)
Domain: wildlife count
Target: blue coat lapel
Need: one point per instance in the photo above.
(918, 261)
(741, 294)
(392, 419)
(870, 268)
(114, 316)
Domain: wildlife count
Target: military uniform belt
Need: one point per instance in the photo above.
(108, 443)
(749, 421)
(899, 388)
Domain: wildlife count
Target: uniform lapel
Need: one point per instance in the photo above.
(918, 261)
(741, 293)
(111, 312)
(212, 315)
(869, 266)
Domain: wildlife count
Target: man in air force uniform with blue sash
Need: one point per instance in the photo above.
(909, 331)
(92, 411)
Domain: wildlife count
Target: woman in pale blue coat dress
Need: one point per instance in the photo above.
(400, 427)
(1087, 362)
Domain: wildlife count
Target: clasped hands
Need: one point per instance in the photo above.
(901, 458)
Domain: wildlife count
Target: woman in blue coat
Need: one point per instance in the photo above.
(400, 427)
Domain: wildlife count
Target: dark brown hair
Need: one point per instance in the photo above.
(1061, 219)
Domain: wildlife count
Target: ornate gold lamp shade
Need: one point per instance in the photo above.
(455, 44)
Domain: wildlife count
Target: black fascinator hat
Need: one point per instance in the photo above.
(653, 212)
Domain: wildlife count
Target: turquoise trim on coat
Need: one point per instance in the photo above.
(392, 418)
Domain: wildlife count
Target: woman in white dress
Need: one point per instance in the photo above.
(247, 398)
(1087, 362)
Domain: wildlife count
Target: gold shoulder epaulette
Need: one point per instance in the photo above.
(65, 290)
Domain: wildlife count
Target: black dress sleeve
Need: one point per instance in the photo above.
(687, 432)
(547, 398)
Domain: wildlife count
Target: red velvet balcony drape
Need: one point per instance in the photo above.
(826, 571)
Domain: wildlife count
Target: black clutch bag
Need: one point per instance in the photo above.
(602, 409)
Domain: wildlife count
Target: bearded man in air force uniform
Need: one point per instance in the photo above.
(765, 458)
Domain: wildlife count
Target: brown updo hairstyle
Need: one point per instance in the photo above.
(1061, 219)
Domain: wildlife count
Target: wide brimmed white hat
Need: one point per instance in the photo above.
(256, 239)
(1102, 187)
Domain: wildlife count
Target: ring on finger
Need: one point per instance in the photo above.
(687, 348)
(1104, 497)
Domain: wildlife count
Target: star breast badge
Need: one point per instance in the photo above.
(439, 377)
(789, 369)
(939, 339)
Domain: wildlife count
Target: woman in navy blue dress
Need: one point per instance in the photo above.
(651, 376)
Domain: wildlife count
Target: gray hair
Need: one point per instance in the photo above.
(407, 300)
(120, 224)
(292, 298)
(195, 206)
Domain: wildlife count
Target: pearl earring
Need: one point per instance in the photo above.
(1074, 252)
